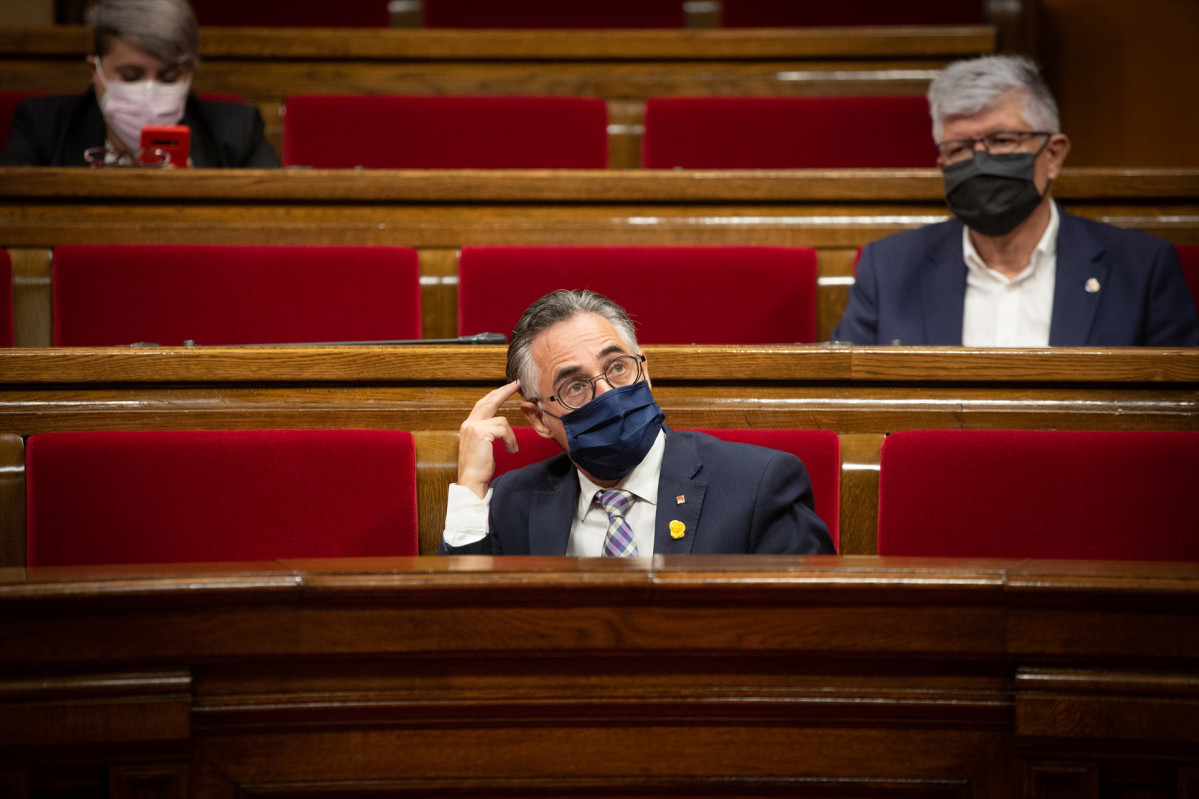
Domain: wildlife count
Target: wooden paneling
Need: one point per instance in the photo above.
(12, 500)
(835, 211)
(265, 66)
(725, 676)
(861, 393)
(1118, 71)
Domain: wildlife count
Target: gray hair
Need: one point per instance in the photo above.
(966, 88)
(559, 306)
(166, 29)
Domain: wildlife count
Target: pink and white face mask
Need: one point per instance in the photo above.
(128, 106)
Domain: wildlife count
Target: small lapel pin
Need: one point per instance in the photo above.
(1092, 285)
(677, 529)
(680, 499)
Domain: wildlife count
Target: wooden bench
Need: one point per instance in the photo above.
(835, 211)
(623, 67)
(721, 676)
(861, 393)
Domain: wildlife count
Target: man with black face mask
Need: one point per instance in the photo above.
(1013, 269)
(626, 485)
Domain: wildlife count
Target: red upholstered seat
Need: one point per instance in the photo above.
(675, 295)
(1188, 254)
(1121, 495)
(220, 97)
(293, 13)
(799, 13)
(394, 132)
(787, 133)
(106, 295)
(820, 451)
(6, 326)
(174, 496)
(554, 14)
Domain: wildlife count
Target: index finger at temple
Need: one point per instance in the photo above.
(487, 407)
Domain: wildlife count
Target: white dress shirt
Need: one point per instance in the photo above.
(1011, 312)
(466, 514)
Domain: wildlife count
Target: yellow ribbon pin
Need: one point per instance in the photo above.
(677, 529)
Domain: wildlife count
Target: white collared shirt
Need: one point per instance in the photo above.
(1011, 312)
(466, 514)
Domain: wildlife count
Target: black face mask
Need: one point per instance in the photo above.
(993, 193)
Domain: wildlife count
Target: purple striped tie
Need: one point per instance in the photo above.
(618, 543)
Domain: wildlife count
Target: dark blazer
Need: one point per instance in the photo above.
(911, 289)
(54, 131)
(738, 499)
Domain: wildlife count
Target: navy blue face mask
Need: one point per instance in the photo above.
(610, 435)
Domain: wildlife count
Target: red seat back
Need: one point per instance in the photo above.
(675, 295)
(175, 496)
(787, 133)
(220, 97)
(293, 13)
(554, 14)
(1121, 495)
(820, 451)
(800, 13)
(110, 295)
(6, 310)
(1188, 254)
(393, 132)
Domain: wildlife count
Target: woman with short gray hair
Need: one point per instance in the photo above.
(144, 55)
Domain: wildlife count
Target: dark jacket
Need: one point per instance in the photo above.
(54, 131)
(911, 288)
(740, 499)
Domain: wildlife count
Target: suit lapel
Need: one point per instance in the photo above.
(680, 496)
(943, 291)
(1078, 263)
(551, 514)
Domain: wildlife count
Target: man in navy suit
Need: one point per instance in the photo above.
(625, 485)
(1013, 269)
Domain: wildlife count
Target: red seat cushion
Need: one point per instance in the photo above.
(800, 13)
(820, 451)
(392, 132)
(174, 496)
(787, 133)
(675, 295)
(106, 295)
(554, 14)
(1124, 495)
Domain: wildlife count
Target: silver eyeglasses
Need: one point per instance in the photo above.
(999, 142)
(575, 392)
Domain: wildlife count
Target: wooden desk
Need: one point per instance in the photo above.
(265, 66)
(835, 211)
(861, 393)
(737, 677)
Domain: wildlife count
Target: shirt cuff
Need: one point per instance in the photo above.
(465, 516)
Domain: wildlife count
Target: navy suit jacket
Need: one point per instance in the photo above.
(911, 289)
(54, 131)
(738, 499)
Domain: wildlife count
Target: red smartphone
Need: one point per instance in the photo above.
(175, 140)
